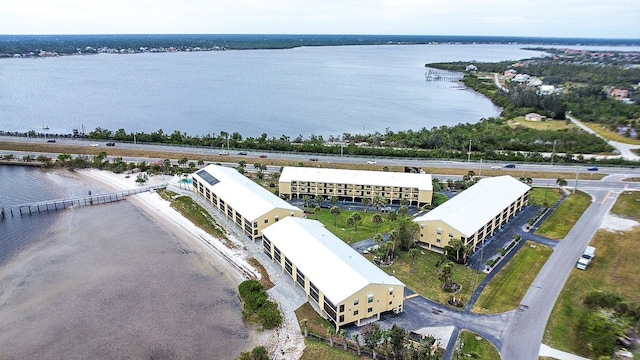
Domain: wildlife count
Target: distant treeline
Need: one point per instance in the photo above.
(490, 139)
(73, 44)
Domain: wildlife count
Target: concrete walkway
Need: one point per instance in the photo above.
(557, 354)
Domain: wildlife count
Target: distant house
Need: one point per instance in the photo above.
(547, 89)
(471, 67)
(533, 117)
(619, 93)
(521, 78)
(510, 73)
(534, 81)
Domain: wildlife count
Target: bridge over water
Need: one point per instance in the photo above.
(60, 204)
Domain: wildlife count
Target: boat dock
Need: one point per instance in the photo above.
(432, 74)
(60, 204)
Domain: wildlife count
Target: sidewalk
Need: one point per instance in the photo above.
(557, 354)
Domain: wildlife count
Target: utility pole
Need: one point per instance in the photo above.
(553, 151)
(576, 185)
(469, 152)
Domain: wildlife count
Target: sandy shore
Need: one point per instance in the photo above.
(285, 342)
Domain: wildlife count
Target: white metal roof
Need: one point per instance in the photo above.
(473, 208)
(334, 267)
(357, 177)
(241, 193)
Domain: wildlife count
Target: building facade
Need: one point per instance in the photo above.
(355, 185)
(475, 214)
(250, 206)
(343, 285)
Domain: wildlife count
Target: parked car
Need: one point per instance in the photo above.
(242, 153)
(371, 162)
(51, 140)
(593, 168)
(263, 156)
(510, 166)
(111, 143)
(223, 153)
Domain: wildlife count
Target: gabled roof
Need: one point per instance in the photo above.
(473, 208)
(245, 196)
(328, 262)
(357, 177)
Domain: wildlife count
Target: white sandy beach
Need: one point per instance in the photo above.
(286, 342)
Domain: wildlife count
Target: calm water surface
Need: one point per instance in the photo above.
(301, 91)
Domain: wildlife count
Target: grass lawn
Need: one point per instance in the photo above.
(477, 347)
(315, 350)
(366, 229)
(316, 324)
(566, 215)
(538, 196)
(424, 279)
(611, 135)
(615, 269)
(507, 289)
(551, 125)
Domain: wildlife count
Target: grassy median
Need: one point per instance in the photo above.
(558, 225)
(477, 347)
(506, 290)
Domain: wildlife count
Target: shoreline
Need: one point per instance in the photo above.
(288, 337)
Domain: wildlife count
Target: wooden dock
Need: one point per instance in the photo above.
(60, 204)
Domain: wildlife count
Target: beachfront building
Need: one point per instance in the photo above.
(344, 286)
(250, 206)
(475, 214)
(355, 185)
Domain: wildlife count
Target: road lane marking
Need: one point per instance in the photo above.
(605, 198)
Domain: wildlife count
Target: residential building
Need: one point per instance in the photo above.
(250, 206)
(475, 214)
(619, 93)
(352, 185)
(343, 286)
(547, 90)
(533, 117)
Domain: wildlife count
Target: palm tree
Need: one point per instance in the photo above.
(183, 161)
(378, 201)
(334, 200)
(378, 239)
(350, 222)
(392, 216)
(377, 219)
(306, 200)
(365, 203)
(304, 324)
(403, 210)
(356, 340)
(413, 254)
(561, 183)
(445, 272)
(356, 217)
(331, 332)
(335, 211)
(342, 333)
(318, 199)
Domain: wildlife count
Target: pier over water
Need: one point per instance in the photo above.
(60, 204)
(432, 74)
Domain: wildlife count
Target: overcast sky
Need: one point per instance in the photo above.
(545, 18)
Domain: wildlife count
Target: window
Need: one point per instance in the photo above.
(390, 302)
(439, 231)
(355, 313)
(390, 291)
(370, 298)
(437, 240)
(341, 318)
(370, 310)
(266, 221)
(450, 235)
(356, 302)
(342, 308)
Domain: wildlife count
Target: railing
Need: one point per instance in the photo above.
(60, 204)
